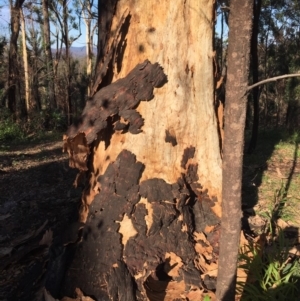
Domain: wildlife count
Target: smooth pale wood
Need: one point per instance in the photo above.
(25, 61)
(177, 35)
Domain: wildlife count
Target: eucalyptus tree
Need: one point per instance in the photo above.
(48, 55)
(63, 17)
(14, 100)
(153, 168)
(88, 11)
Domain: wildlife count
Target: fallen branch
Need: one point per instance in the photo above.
(272, 79)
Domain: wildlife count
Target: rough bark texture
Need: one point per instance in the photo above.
(240, 21)
(152, 168)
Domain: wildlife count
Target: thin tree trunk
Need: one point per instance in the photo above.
(240, 22)
(70, 110)
(88, 54)
(148, 146)
(255, 63)
(48, 56)
(87, 17)
(14, 97)
(25, 60)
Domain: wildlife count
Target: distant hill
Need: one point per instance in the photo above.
(78, 52)
(81, 51)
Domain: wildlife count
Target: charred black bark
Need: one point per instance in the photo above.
(111, 103)
(139, 237)
(108, 267)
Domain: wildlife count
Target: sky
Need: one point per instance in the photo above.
(5, 19)
(5, 16)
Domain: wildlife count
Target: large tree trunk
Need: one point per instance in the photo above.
(151, 158)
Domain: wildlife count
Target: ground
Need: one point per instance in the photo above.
(37, 198)
(271, 177)
(36, 195)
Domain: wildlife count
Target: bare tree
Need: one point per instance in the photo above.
(48, 56)
(25, 61)
(15, 103)
(88, 14)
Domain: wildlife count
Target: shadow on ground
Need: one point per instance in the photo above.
(36, 196)
(255, 165)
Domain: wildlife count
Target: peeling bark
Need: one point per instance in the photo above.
(142, 239)
(152, 169)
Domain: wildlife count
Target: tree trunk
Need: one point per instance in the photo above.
(25, 60)
(240, 21)
(14, 97)
(48, 56)
(151, 157)
(88, 17)
(255, 63)
(69, 102)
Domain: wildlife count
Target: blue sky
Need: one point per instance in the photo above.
(4, 25)
(5, 18)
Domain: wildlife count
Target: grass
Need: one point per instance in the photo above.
(272, 273)
(35, 129)
(271, 181)
(274, 169)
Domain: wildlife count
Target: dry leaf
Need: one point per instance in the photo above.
(80, 297)
(280, 174)
(31, 234)
(4, 217)
(295, 251)
(173, 264)
(174, 289)
(47, 238)
(5, 251)
(48, 297)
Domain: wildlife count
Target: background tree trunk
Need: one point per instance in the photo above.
(48, 56)
(14, 96)
(240, 22)
(255, 78)
(25, 60)
(152, 198)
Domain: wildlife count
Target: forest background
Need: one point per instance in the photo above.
(48, 84)
(44, 83)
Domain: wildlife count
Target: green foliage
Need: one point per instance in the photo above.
(46, 120)
(9, 130)
(272, 272)
(37, 125)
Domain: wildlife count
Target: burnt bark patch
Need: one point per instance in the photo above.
(112, 102)
(188, 153)
(169, 138)
(138, 237)
(99, 255)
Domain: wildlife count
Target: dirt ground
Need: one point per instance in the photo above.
(38, 201)
(36, 197)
